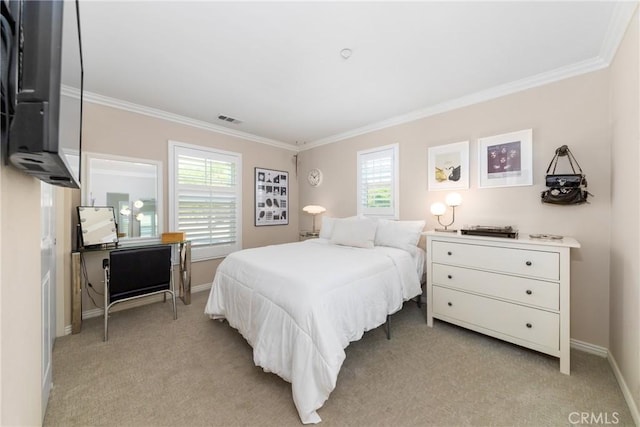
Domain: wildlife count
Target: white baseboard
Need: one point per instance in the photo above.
(201, 288)
(97, 312)
(604, 352)
(628, 397)
(590, 348)
(94, 312)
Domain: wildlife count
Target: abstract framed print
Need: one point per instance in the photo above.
(505, 160)
(448, 167)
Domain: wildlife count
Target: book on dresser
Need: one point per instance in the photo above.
(514, 289)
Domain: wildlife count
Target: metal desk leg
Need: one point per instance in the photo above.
(185, 272)
(76, 294)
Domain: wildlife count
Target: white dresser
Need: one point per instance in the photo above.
(516, 290)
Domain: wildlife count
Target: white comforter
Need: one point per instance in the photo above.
(300, 304)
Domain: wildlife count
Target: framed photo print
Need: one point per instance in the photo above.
(272, 197)
(505, 160)
(448, 166)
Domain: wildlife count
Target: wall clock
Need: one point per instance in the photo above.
(314, 177)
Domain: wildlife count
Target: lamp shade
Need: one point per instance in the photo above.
(438, 208)
(314, 209)
(453, 199)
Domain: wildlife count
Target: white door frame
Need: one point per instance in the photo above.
(48, 285)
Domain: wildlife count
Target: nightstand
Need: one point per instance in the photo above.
(304, 235)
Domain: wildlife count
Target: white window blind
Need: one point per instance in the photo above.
(378, 182)
(207, 198)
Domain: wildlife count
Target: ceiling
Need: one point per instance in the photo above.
(277, 66)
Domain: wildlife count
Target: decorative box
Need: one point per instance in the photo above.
(173, 237)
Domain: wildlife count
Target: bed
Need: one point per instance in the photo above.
(300, 304)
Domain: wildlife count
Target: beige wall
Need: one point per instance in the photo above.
(625, 205)
(118, 132)
(20, 313)
(572, 111)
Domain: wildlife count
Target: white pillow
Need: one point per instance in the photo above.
(357, 232)
(398, 234)
(326, 229)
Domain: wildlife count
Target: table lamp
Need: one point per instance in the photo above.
(314, 210)
(438, 209)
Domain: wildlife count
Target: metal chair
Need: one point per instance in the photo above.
(136, 273)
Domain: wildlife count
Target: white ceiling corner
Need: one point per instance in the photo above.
(620, 18)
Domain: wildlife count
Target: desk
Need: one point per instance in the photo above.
(184, 277)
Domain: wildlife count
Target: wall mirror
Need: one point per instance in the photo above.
(133, 187)
(97, 225)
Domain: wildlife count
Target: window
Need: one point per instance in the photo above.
(378, 182)
(205, 198)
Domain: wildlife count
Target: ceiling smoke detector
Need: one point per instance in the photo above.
(229, 119)
(346, 53)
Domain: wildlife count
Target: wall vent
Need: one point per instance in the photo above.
(229, 119)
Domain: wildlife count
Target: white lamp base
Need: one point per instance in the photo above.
(446, 230)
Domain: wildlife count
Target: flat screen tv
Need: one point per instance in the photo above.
(45, 133)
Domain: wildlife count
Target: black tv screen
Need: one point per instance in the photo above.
(46, 129)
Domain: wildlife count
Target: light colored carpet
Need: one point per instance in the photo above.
(194, 371)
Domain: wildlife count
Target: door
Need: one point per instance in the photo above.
(48, 286)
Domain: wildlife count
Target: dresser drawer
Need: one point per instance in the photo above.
(519, 289)
(539, 264)
(525, 323)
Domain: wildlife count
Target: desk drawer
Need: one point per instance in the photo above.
(529, 324)
(539, 264)
(519, 289)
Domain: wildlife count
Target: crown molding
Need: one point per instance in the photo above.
(572, 70)
(69, 91)
(620, 18)
(164, 115)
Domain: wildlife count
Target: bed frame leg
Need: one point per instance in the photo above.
(388, 327)
(419, 297)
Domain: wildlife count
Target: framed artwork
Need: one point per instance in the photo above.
(448, 166)
(505, 160)
(272, 197)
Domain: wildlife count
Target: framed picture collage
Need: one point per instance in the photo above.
(271, 197)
